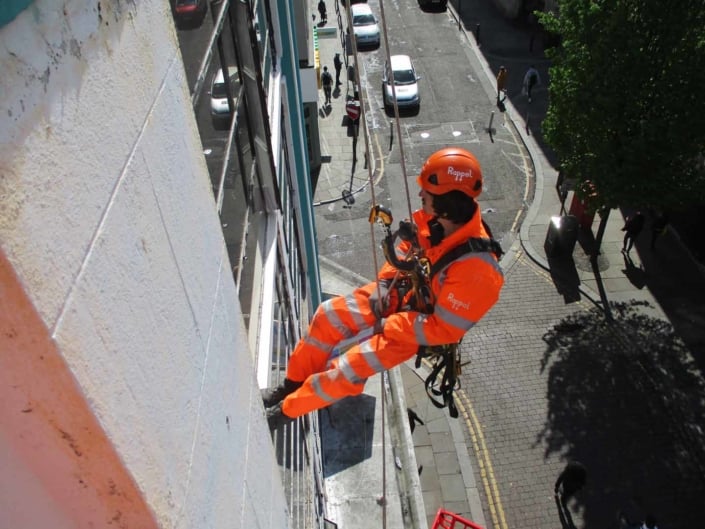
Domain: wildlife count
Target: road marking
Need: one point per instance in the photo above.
(526, 162)
(489, 482)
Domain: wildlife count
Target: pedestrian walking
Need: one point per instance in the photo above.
(322, 11)
(659, 226)
(338, 64)
(388, 320)
(501, 83)
(570, 481)
(632, 228)
(327, 82)
(531, 80)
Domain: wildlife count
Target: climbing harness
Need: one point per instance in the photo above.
(414, 274)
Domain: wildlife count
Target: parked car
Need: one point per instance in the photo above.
(402, 71)
(190, 13)
(219, 96)
(439, 4)
(365, 26)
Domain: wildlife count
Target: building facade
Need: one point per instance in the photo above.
(157, 262)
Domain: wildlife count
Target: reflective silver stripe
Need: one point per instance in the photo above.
(489, 259)
(369, 354)
(310, 340)
(348, 372)
(316, 385)
(419, 335)
(354, 310)
(483, 256)
(335, 322)
(452, 318)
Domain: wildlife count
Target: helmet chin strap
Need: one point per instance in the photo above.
(437, 231)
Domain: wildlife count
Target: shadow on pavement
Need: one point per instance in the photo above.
(347, 429)
(564, 515)
(626, 399)
(565, 278)
(515, 44)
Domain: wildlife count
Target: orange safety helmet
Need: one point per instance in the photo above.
(451, 169)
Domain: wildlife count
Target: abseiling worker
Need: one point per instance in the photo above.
(461, 293)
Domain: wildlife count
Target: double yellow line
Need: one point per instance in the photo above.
(489, 482)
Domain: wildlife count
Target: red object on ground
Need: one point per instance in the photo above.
(448, 520)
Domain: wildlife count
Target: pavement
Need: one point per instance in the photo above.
(595, 359)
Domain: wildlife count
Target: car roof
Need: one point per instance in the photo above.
(360, 9)
(400, 62)
(232, 70)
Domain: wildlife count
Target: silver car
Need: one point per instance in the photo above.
(401, 69)
(365, 26)
(219, 96)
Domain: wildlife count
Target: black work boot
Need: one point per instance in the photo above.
(276, 417)
(273, 396)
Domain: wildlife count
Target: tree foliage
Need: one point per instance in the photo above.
(627, 108)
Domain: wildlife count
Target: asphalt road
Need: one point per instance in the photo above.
(457, 103)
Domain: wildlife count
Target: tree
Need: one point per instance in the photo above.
(627, 108)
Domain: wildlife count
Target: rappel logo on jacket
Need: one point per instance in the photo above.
(456, 303)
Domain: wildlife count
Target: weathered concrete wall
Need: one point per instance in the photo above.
(125, 397)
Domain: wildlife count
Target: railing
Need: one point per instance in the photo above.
(238, 178)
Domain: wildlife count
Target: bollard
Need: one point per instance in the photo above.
(477, 33)
(391, 134)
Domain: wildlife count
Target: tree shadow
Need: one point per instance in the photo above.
(515, 43)
(627, 400)
(677, 282)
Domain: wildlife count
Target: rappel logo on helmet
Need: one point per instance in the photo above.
(459, 175)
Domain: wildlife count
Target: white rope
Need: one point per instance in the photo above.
(363, 120)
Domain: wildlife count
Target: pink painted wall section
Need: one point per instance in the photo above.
(59, 470)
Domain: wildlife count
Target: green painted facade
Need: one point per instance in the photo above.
(9, 9)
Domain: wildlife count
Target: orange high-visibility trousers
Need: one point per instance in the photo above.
(326, 379)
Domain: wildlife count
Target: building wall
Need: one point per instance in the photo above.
(125, 396)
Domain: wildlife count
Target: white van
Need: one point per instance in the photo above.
(401, 69)
(365, 26)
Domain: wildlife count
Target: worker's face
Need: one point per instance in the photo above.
(427, 202)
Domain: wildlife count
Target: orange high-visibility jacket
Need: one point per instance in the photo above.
(463, 292)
